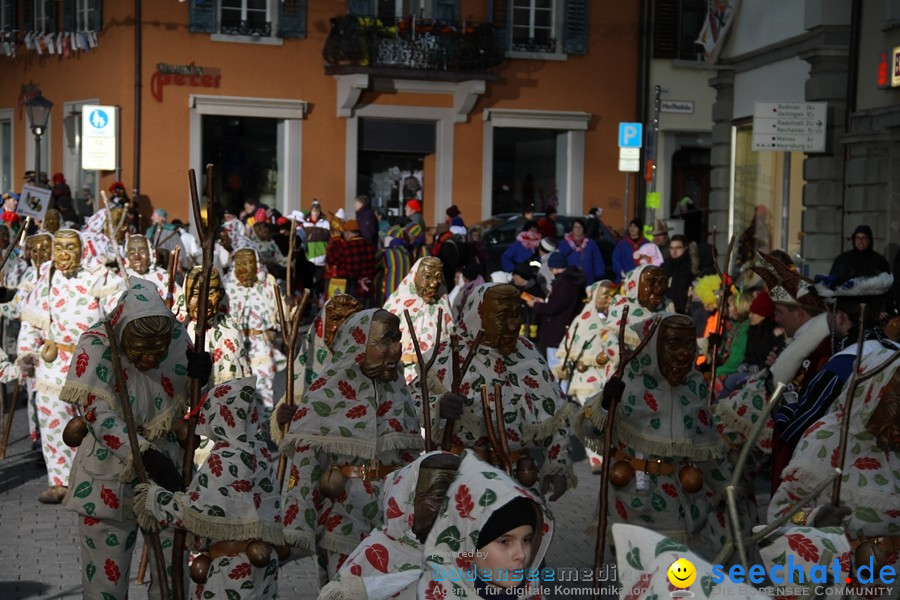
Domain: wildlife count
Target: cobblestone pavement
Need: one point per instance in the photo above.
(40, 557)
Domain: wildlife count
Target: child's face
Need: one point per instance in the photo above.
(510, 551)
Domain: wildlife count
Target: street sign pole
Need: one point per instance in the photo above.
(627, 185)
(630, 141)
(785, 200)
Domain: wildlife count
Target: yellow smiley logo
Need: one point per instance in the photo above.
(682, 573)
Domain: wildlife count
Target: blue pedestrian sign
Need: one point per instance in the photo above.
(98, 118)
(631, 135)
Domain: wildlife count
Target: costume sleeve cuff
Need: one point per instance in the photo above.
(555, 468)
(346, 587)
(143, 494)
(128, 472)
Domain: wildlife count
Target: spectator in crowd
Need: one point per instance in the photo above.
(764, 335)
(660, 235)
(561, 306)
(523, 277)
(478, 251)
(415, 236)
(545, 275)
(526, 216)
(60, 190)
(454, 213)
(678, 269)
(861, 260)
(85, 203)
(354, 261)
(413, 210)
(523, 249)
(365, 217)
(392, 263)
(623, 256)
(693, 219)
(733, 348)
(547, 225)
(383, 224)
(582, 252)
(448, 246)
(468, 278)
(593, 223)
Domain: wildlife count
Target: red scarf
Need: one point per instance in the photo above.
(579, 246)
(530, 239)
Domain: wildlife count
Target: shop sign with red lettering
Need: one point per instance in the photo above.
(181, 75)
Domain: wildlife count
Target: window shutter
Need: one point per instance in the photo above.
(69, 15)
(575, 36)
(50, 11)
(498, 15)
(97, 25)
(665, 29)
(360, 7)
(13, 24)
(203, 17)
(446, 10)
(292, 19)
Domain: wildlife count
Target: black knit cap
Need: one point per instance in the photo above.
(515, 513)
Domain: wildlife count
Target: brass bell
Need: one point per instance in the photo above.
(49, 352)
(602, 359)
(332, 483)
(621, 473)
(581, 367)
(868, 549)
(526, 471)
(691, 478)
(75, 432)
(283, 552)
(200, 569)
(259, 553)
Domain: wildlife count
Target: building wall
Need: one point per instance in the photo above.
(593, 83)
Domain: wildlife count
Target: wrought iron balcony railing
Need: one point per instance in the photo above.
(409, 43)
(263, 29)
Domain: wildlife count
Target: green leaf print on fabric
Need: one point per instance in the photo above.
(634, 559)
(451, 537)
(345, 432)
(706, 582)
(654, 422)
(90, 570)
(266, 485)
(233, 595)
(667, 545)
(203, 480)
(658, 502)
(866, 514)
(370, 511)
(89, 508)
(487, 498)
(322, 409)
(103, 373)
(84, 489)
(101, 453)
(111, 540)
(650, 383)
(215, 511)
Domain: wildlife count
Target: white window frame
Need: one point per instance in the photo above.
(271, 16)
(84, 14)
(575, 123)
(291, 112)
(556, 30)
(40, 15)
(8, 181)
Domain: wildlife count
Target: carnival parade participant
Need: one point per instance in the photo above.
(423, 293)
(535, 410)
(139, 261)
(231, 507)
(356, 425)
(253, 304)
(156, 362)
(669, 461)
(411, 499)
(66, 300)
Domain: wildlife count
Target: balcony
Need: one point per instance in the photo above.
(411, 48)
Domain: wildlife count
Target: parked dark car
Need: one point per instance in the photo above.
(498, 237)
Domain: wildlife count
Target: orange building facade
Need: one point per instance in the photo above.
(304, 101)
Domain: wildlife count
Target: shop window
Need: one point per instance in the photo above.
(761, 222)
(245, 17)
(529, 166)
(252, 21)
(7, 15)
(540, 29)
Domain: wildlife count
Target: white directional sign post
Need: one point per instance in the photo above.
(631, 138)
(790, 126)
(99, 139)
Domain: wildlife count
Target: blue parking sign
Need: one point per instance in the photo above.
(631, 135)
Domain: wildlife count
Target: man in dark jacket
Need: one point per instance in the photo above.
(861, 260)
(368, 222)
(565, 300)
(678, 269)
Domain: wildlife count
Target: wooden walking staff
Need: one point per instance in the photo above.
(423, 371)
(624, 358)
(173, 269)
(720, 319)
(12, 405)
(458, 374)
(289, 332)
(845, 421)
(209, 238)
(137, 460)
(7, 428)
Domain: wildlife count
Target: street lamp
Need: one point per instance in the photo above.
(38, 109)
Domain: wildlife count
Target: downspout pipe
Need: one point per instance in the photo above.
(645, 54)
(138, 86)
(850, 108)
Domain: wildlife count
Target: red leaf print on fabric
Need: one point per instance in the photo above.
(91, 521)
(112, 442)
(356, 570)
(834, 457)
(512, 434)
(641, 586)
(464, 504)
(393, 510)
(704, 418)
(333, 522)
(221, 391)
(60, 303)
(46, 411)
(499, 367)
(317, 384)
(290, 514)
(109, 497)
(804, 547)
(257, 500)
(395, 425)
(384, 408)
(241, 485)
(356, 412)
(377, 555)
(408, 303)
(554, 452)
(53, 424)
(670, 490)
(240, 571)
(167, 386)
(813, 427)
(531, 382)
(866, 463)
(346, 390)
(217, 355)
(742, 410)
(845, 562)
(442, 372)
(81, 363)
(226, 414)
(215, 464)
(620, 508)
(112, 571)
(230, 345)
(358, 336)
(300, 414)
(435, 591)
(892, 513)
(651, 401)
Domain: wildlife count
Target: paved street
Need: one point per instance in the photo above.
(40, 558)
